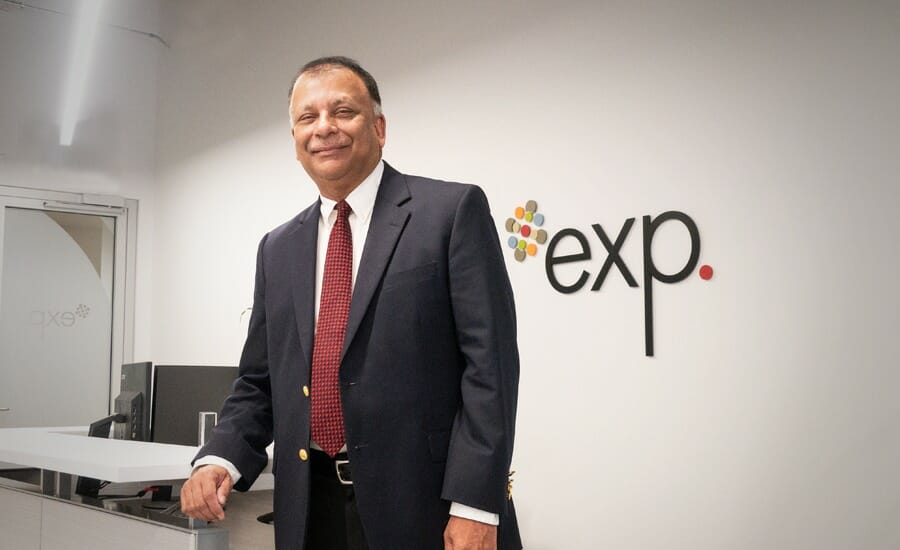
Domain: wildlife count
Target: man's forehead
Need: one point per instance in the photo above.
(328, 78)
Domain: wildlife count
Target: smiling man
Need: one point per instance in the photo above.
(381, 353)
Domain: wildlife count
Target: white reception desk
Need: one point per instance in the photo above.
(49, 518)
(69, 450)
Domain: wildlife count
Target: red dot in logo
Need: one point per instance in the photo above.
(526, 230)
(706, 272)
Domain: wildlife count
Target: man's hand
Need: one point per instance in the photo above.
(203, 496)
(467, 534)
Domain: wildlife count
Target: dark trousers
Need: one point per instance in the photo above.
(333, 522)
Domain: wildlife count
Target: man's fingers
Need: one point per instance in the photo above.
(209, 493)
(192, 501)
(224, 488)
(186, 502)
(203, 495)
(201, 507)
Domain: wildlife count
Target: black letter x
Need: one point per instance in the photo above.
(614, 257)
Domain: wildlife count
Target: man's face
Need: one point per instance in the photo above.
(337, 136)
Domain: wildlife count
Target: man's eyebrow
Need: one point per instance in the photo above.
(347, 100)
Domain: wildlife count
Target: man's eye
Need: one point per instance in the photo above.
(344, 112)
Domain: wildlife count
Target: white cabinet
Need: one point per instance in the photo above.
(31, 521)
(20, 520)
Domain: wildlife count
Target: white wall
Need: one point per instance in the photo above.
(114, 149)
(768, 417)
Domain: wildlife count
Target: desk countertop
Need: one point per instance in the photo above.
(71, 451)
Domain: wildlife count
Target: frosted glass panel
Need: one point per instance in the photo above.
(55, 317)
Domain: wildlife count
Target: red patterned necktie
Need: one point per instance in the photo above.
(334, 308)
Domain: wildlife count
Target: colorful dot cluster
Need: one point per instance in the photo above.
(525, 225)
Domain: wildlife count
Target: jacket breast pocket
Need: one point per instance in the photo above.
(418, 274)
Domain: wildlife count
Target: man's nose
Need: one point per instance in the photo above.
(324, 125)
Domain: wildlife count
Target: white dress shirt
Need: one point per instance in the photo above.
(362, 202)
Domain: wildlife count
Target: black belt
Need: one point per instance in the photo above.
(337, 468)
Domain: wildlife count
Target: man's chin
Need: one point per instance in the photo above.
(330, 177)
(331, 171)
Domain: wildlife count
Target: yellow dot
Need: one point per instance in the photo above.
(522, 244)
(520, 212)
(304, 456)
(529, 216)
(531, 249)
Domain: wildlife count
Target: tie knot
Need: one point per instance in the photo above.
(343, 209)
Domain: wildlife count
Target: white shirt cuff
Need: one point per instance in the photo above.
(218, 461)
(467, 512)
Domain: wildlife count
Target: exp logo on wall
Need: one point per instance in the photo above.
(521, 230)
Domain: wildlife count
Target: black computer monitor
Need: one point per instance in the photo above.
(88, 486)
(133, 401)
(181, 393)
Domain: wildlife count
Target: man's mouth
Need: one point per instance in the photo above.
(328, 149)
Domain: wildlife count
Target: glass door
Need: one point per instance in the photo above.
(60, 275)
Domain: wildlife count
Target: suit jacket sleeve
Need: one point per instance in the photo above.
(481, 443)
(245, 424)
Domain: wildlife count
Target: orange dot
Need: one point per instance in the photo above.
(520, 212)
(531, 249)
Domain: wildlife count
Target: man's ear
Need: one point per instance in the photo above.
(380, 128)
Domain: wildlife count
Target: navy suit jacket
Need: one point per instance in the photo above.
(429, 372)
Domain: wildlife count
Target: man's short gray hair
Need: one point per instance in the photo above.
(334, 61)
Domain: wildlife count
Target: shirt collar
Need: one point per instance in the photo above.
(361, 199)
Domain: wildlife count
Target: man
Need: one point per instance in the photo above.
(381, 352)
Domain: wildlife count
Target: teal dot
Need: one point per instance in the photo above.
(538, 220)
(513, 242)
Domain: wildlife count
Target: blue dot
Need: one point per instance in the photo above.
(513, 242)
(538, 220)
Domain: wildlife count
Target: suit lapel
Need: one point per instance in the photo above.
(302, 259)
(388, 221)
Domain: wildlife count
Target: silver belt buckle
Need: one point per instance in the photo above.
(337, 470)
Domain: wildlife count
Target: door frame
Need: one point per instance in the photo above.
(125, 211)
